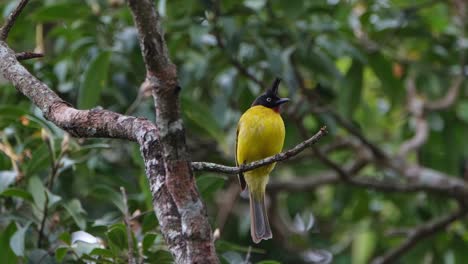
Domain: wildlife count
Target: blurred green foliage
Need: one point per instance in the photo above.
(358, 51)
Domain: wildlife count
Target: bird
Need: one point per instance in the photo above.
(260, 134)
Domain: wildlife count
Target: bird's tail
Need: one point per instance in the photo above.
(259, 226)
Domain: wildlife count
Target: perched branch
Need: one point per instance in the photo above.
(418, 234)
(28, 55)
(11, 19)
(213, 167)
(79, 123)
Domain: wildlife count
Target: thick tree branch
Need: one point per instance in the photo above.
(418, 234)
(11, 19)
(151, 36)
(79, 123)
(213, 167)
(180, 211)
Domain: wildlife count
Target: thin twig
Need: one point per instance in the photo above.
(313, 99)
(213, 167)
(56, 163)
(449, 98)
(54, 166)
(28, 55)
(131, 258)
(11, 19)
(416, 109)
(43, 220)
(143, 92)
(247, 257)
(418, 234)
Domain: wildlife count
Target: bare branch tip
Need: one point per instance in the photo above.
(11, 19)
(28, 55)
(324, 130)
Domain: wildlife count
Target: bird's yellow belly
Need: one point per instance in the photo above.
(261, 134)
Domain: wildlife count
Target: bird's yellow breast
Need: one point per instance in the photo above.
(260, 135)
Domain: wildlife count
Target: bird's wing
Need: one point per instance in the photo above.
(242, 182)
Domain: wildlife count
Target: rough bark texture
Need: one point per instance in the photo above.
(178, 205)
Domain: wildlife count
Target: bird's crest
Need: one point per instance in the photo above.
(274, 87)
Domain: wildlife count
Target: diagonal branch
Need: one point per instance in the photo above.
(11, 19)
(79, 123)
(418, 234)
(213, 167)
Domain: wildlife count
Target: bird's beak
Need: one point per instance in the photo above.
(282, 101)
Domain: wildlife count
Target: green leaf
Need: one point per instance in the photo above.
(40, 254)
(148, 240)
(208, 184)
(437, 16)
(76, 211)
(351, 89)
(37, 189)
(321, 63)
(222, 245)
(53, 199)
(233, 257)
(40, 160)
(65, 237)
(117, 236)
(363, 247)
(17, 241)
(102, 252)
(106, 193)
(160, 256)
(150, 222)
(6, 179)
(63, 11)
(16, 192)
(256, 5)
(382, 68)
(462, 110)
(60, 253)
(198, 114)
(7, 255)
(291, 8)
(95, 80)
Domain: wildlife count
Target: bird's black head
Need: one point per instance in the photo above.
(270, 97)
